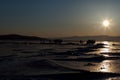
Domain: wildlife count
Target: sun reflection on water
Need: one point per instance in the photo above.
(106, 48)
(105, 66)
(105, 42)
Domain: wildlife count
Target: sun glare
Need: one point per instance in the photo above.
(106, 23)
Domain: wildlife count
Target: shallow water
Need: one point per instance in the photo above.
(111, 63)
(35, 59)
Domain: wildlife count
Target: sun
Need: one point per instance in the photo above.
(106, 23)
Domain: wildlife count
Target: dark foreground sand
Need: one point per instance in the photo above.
(64, 76)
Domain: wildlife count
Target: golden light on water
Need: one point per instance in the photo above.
(105, 66)
(106, 23)
(106, 48)
(105, 42)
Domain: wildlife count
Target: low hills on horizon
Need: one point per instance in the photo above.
(20, 37)
(72, 38)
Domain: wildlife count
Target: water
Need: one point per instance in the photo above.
(111, 63)
(22, 58)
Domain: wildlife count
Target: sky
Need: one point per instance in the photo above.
(59, 18)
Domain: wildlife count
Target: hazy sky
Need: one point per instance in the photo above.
(58, 18)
